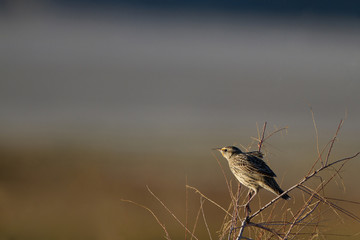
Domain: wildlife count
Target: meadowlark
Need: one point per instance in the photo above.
(251, 170)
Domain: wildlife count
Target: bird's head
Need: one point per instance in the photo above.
(227, 152)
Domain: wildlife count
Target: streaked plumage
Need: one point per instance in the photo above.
(251, 170)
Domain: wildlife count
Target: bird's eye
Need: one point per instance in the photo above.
(225, 150)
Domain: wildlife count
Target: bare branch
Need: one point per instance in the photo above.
(203, 214)
(226, 180)
(265, 228)
(271, 134)
(196, 221)
(332, 141)
(306, 178)
(332, 205)
(202, 195)
(153, 214)
(317, 137)
(172, 214)
(262, 136)
(186, 206)
(342, 200)
(242, 228)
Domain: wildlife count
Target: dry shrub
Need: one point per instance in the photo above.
(276, 219)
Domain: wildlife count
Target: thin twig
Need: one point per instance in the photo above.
(202, 195)
(265, 228)
(204, 218)
(242, 228)
(276, 131)
(319, 158)
(305, 225)
(262, 136)
(342, 200)
(332, 205)
(235, 212)
(317, 137)
(172, 214)
(226, 180)
(332, 141)
(306, 178)
(153, 214)
(196, 221)
(298, 219)
(308, 213)
(186, 206)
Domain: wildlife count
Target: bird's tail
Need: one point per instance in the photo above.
(285, 196)
(272, 186)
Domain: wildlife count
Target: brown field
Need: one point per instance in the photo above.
(69, 191)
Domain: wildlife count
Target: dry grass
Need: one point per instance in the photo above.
(304, 217)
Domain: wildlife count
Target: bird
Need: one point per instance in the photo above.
(251, 171)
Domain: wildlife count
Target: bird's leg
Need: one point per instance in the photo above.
(251, 195)
(247, 205)
(237, 203)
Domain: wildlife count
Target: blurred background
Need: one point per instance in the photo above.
(100, 99)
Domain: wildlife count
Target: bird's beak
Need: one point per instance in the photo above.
(219, 149)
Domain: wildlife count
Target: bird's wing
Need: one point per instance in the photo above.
(256, 154)
(252, 163)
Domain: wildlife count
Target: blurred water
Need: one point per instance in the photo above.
(141, 75)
